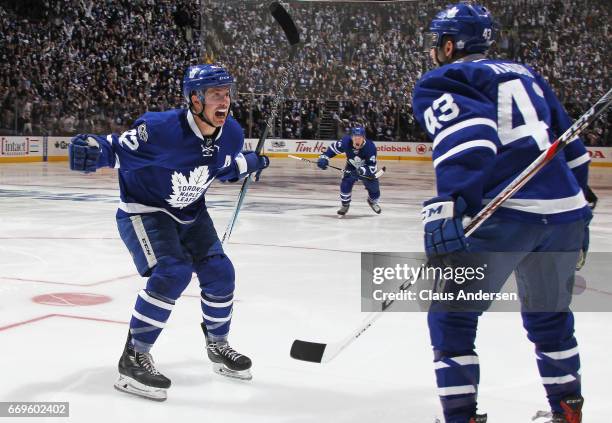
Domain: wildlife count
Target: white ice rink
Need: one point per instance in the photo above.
(298, 273)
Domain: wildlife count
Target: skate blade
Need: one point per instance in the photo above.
(131, 386)
(234, 374)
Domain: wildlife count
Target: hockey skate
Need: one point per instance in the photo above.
(375, 206)
(572, 412)
(343, 210)
(138, 375)
(226, 361)
(478, 418)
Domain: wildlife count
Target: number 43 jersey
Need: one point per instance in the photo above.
(489, 120)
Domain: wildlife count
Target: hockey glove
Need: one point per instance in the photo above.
(442, 225)
(323, 161)
(262, 163)
(255, 164)
(83, 153)
(585, 240)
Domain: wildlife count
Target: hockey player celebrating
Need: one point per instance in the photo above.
(166, 162)
(360, 164)
(488, 120)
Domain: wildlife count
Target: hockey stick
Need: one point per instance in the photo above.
(378, 174)
(525, 176)
(293, 36)
(323, 353)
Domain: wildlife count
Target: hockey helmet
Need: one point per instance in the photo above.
(471, 27)
(358, 131)
(199, 78)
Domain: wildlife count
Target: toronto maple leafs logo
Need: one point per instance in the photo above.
(187, 190)
(356, 161)
(451, 13)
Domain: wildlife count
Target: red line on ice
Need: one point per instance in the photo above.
(67, 316)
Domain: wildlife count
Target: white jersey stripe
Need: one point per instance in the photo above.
(456, 390)
(218, 305)
(562, 355)
(558, 380)
(558, 205)
(158, 303)
(585, 158)
(464, 146)
(242, 164)
(217, 319)
(462, 125)
(133, 208)
(148, 320)
(466, 360)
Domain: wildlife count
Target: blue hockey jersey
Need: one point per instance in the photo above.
(364, 157)
(166, 165)
(490, 119)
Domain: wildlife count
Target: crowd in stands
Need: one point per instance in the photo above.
(70, 66)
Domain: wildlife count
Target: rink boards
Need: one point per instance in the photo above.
(41, 149)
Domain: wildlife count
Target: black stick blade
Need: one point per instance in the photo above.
(284, 20)
(307, 351)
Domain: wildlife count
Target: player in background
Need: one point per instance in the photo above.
(488, 120)
(360, 164)
(166, 162)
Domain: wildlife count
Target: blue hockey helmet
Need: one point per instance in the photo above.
(470, 26)
(199, 78)
(358, 131)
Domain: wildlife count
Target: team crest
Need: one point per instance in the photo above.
(208, 148)
(357, 162)
(186, 190)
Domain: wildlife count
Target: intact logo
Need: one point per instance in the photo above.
(186, 190)
(421, 149)
(145, 244)
(432, 211)
(208, 149)
(452, 13)
(357, 162)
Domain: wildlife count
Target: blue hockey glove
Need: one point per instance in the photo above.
(255, 165)
(262, 163)
(83, 153)
(323, 161)
(442, 225)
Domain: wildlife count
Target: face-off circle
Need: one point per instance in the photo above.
(71, 299)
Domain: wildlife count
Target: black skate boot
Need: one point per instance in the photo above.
(343, 210)
(572, 411)
(479, 418)
(375, 206)
(138, 375)
(227, 361)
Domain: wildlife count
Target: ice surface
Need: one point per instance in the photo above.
(298, 273)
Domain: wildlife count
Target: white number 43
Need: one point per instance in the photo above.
(447, 109)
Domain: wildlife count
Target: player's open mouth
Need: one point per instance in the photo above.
(220, 114)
